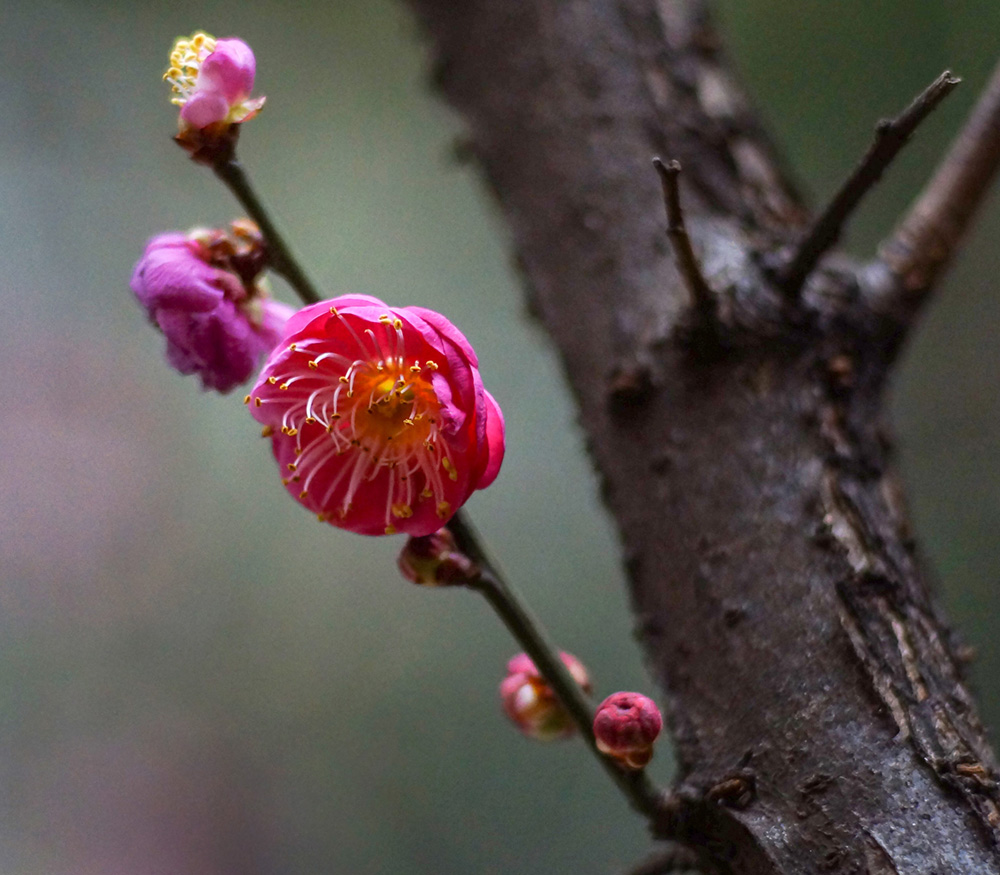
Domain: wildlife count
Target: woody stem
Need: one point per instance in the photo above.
(641, 793)
(282, 261)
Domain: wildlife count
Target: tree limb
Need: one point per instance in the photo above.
(890, 137)
(819, 713)
(924, 243)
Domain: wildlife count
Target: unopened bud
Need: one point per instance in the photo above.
(625, 727)
(435, 560)
(530, 702)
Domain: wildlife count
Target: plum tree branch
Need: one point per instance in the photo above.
(890, 137)
(925, 241)
(819, 712)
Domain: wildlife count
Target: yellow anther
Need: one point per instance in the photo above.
(403, 511)
(443, 509)
(266, 431)
(333, 311)
(426, 493)
(344, 380)
(298, 451)
(310, 421)
(432, 365)
(292, 432)
(313, 365)
(285, 481)
(390, 530)
(385, 319)
(257, 402)
(414, 368)
(407, 422)
(292, 466)
(246, 399)
(397, 324)
(303, 494)
(272, 380)
(452, 473)
(292, 347)
(283, 386)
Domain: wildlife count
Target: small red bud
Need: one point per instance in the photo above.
(435, 560)
(531, 704)
(625, 727)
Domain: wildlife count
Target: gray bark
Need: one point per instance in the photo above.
(817, 704)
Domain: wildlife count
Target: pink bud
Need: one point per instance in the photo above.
(379, 419)
(200, 290)
(435, 560)
(212, 80)
(532, 705)
(625, 727)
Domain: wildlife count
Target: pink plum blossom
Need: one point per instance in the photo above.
(530, 702)
(200, 290)
(378, 416)
(625, 727)
(212, 80)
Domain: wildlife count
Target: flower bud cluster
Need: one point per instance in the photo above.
(201, 290)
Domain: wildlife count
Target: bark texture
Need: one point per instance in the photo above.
(817, 704)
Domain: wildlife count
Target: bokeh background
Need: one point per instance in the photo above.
(196, 678)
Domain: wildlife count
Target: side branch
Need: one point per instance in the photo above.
(924, 242)
(890, 137)
(702, 296)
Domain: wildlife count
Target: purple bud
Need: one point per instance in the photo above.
(217, 322)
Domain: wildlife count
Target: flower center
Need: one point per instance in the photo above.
(380, 410)
(185, 63)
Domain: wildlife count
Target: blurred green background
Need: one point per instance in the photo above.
(195, 676)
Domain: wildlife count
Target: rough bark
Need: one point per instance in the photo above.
(817, 704)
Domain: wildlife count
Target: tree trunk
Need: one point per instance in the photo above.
(817, 704)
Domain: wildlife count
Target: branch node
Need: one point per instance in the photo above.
(703, 298)
(890, 137)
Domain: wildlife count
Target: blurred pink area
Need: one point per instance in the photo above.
(85, 456)
(167, 797)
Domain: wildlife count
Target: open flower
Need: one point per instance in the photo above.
(530, 702)
(212, 81)
(378, 416)
(200, 290)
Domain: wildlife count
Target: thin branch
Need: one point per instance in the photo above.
(890, 137)
(925, 241)
(642, 794)
(282, 261)
(701, 293)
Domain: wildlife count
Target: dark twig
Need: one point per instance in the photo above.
(890, 136)
(282, 261)
(924, 242)
(702, 296)
(643, 795)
